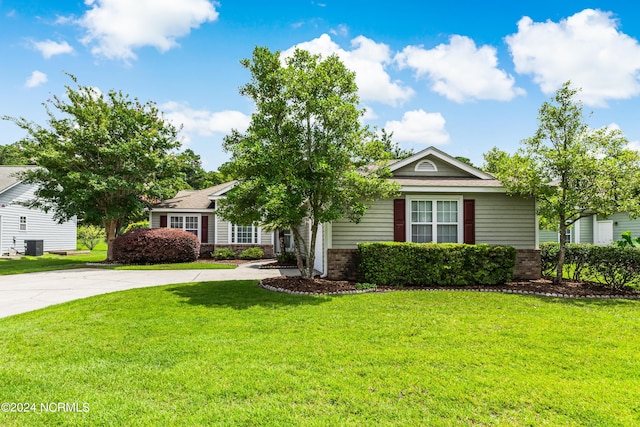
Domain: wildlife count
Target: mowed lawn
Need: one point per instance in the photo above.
(231, 353)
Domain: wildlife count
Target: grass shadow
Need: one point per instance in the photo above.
(239, 295)
(588, 302)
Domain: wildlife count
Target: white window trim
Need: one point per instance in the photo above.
(26, 223)
(184, 222)
(256, 231)
(434, 200)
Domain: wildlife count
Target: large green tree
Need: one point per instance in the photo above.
(298, 160)
(14, 154)
(194, 175)
(104, 158)
(573, 171)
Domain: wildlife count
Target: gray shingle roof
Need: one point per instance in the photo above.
(192, 199)
(9, 176)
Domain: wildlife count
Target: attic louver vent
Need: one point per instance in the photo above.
(426, 166)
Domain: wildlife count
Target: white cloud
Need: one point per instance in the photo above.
(36, 79)
(419, 127)
(116, 27)
(203, 122)
(368, 60)
(461, 71)
(585, 48)
(340, 30)
(49, 48)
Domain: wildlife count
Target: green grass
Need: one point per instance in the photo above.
(50, 262)
(230, 353)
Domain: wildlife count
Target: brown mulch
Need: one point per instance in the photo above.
(540, 287)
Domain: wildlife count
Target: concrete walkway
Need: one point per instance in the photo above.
(26, 292)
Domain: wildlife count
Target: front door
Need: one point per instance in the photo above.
(605, 232)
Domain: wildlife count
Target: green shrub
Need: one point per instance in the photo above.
(156, 246)
(363, 286)
(223, 253)
(90, 236)
(136, 225)
(413, 264)
(286, 258)
(615, 266)
(252, 253)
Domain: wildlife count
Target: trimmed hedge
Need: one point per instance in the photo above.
(612, 265)
(156, 246)
(430, 264)
(252, 253)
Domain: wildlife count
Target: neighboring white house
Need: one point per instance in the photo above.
(596, 230)
(18, 223)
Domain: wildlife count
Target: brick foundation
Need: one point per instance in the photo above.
(343, 264)
(528, 264)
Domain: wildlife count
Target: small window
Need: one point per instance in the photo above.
(244, 234)
(23, 223)
(426, 166)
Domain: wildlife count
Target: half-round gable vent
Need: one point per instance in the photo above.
(426, 166)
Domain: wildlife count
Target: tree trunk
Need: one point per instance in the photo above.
(110, 234)
(298, 244)
(561, 252)
(111, 228)
(311, 254)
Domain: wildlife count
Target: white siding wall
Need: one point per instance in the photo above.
(40, 225)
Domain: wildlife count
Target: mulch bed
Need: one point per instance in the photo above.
(567, 289)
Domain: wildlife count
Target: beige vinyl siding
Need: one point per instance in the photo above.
(505, 220)
(222, 232)
(155, 219)
(375, 226)
(444, 169)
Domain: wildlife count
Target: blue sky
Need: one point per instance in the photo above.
(463, 76)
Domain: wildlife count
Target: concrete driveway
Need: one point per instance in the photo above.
(26, 292)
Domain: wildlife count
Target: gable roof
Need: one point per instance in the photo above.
(441, 155)
(9, 176)
(193, 199)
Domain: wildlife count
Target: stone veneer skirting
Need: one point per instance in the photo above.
(343, 264)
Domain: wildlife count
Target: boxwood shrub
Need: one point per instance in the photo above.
(155, 246)
(430, 264)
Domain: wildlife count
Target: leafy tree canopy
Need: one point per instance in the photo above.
(572, 170)
(14, 155)
(195, 176)
(299, 158)
(105, 158)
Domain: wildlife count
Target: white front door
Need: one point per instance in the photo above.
(605, 232)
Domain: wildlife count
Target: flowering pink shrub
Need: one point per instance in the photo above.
(155, 246)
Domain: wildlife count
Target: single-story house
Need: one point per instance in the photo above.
(19, 224)
(596, 230)
(441, 200)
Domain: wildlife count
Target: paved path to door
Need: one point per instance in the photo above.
(20, 293)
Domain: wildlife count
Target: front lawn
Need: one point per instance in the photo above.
(51, 262)
(48, 262)
(230, 353)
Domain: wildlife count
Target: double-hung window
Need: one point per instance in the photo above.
(186, 222)
(244, 234)
(435, 220)
(23, 223)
